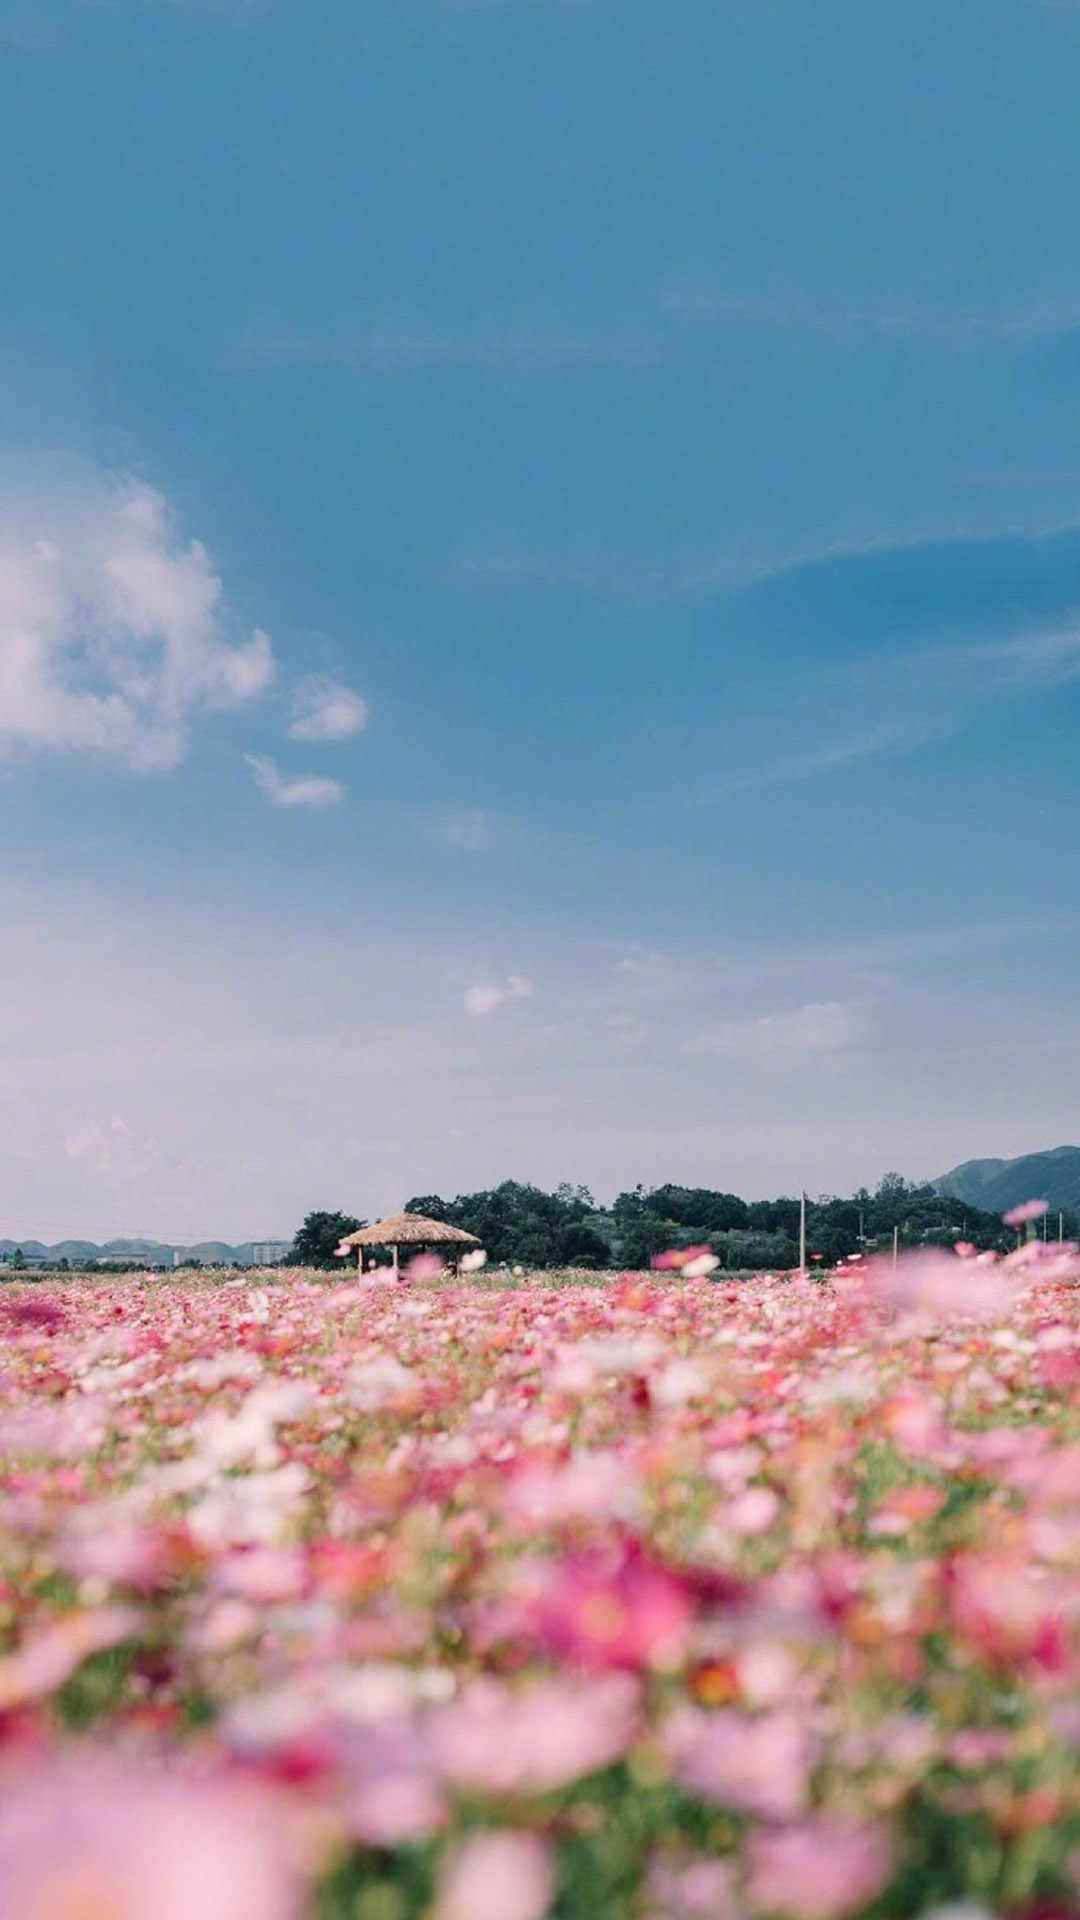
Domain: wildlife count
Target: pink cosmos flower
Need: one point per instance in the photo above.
(1004, 1610)
(87, 1834)
(424, 1266)
(917, 1427)
(497, 1876)
(940, 1286)
(697, 1890)
(394, 1796)
(497, 1739)
(617, 1609)
(591, 1486)
(756, 1765)
(817, 1871)
(50, 1654)
(1028, 1210)
(752, 1513)
(43, 1314)
(262, 1574)
(683, 1257)
(118, 1553)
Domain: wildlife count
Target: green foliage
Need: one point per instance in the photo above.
(317, 1239)
(523, 1226)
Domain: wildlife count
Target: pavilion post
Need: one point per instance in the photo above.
(396, 1273)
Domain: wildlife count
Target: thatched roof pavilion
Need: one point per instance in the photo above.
(407, 1230)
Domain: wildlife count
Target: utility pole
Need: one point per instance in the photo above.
(802, 1234)
(895, 1245)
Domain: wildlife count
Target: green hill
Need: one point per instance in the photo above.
(997, 1185)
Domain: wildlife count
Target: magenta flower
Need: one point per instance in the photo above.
(617, 1609)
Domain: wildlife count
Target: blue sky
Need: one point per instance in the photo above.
(539, 598)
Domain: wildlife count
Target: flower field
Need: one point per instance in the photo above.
(666, 1598)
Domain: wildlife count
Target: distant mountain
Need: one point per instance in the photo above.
(998, 1185)
(154, 1252)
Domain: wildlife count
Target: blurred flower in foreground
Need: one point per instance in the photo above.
(694, 1890)
(940, 1285)
(702, 1264)
(424, 1266)
(496, 1876)
(758, 1765)
(1029, 1210)
(618, 1609)
(87, 1837)
(686, 1259)
(817, 1871)
(50, 1654)
(531, 1739)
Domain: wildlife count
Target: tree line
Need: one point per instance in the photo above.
(521, 1225)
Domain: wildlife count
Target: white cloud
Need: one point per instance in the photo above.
(625, 1029)
(1052, 656)
(483, 999)
(470, 831)
(112, 630)
(325, 710)
(296, 790)
(640, 959)
(820, 1027)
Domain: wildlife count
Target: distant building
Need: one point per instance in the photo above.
(267, 1253)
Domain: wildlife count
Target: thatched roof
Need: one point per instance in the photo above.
(410, 1229)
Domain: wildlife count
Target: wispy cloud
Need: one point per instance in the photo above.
(407, 351)
(974, 671)
(293, 790)
(964, 580)
(1051, 657)
(469, 831)
(940, 326)
(832, 757)
(639, 959)
(324, 710)
(626, 1030)
(820, 1027)
(112, 629)
(486, 998)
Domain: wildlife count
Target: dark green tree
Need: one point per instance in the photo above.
(318, 1238)
(580, 1246)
